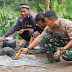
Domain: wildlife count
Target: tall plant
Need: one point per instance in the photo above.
(68, 6)
(7, 19)
(62, 11)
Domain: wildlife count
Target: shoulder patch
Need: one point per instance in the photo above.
(21, 19)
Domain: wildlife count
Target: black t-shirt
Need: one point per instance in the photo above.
(37, 28)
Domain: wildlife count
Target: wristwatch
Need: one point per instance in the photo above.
(28, 48)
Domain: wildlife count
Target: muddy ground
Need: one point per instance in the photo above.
(33, 63)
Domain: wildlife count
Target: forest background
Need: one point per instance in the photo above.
(9, 11)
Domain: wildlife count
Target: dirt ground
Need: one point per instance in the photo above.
(36, 63)
(62, 66)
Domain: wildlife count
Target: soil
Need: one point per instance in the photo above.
(33, 63)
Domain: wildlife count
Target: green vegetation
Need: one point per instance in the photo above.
(7, 19)
(9, 11)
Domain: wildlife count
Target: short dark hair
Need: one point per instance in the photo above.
(40, 16)
(51, 15)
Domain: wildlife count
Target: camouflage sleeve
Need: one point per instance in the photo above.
(45, 32)
(69, 28)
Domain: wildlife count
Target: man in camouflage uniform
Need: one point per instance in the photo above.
(61, 35)
(58, 38)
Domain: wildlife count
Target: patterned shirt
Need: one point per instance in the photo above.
(64, 30)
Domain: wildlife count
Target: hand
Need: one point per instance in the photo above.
(2, 39)
(21, 31)
(25, 50)
(57, 54)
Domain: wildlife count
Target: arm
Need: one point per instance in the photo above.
(28, 29)
(13, 29)
(34, 35)
(32, 22)
(2, 38)
(58, 53)
(68, 45)
(68, 28)
(33, 44)
(22, 30)
(36, 41)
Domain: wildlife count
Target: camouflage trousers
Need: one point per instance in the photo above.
(52, 43)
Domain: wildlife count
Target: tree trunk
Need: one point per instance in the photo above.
(46, 5)
(63, 1)
(52, 4)
(25, 1)
(4, 4)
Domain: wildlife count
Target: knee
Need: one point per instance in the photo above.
(31, 32)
